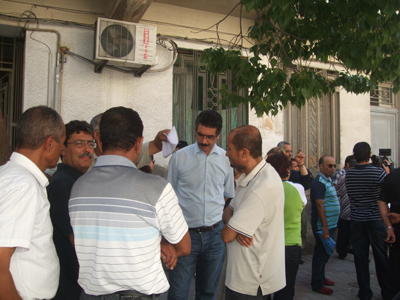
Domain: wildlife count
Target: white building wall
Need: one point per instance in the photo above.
(85, 93)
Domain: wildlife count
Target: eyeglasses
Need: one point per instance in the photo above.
(331, 166)
(207, 137)
(81, 144)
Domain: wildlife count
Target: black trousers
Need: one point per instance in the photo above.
(343, 237)
(231, 295)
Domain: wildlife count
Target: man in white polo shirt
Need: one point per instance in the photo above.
(29, 267)
(254, 230)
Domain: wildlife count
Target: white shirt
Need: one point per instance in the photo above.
(301, 190)
(258, 209)
(25, 224)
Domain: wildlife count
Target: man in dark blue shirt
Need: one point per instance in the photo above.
(76, 159)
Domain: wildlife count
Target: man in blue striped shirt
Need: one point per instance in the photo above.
(324, 217)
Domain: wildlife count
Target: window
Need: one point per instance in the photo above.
(196, 90)
(382, 96)
(11, 81)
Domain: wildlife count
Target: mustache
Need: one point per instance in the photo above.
(85, 154)
(204, 145)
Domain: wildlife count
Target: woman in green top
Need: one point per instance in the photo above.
(294, 203)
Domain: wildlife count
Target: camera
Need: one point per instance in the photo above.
(384, 154)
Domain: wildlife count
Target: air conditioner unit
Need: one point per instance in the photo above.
(124, 44)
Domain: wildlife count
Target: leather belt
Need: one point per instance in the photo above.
(205, 228)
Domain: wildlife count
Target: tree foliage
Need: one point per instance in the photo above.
(358, 38)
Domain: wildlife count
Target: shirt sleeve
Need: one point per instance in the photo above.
(144, 156)
(170, 217)
(18, 206)
(305, 180)
(172, 176)
(58, 193)
(318, 190)
(341, 187)
(302, 193)
(382, 176)
(248, 216)
(229, 184)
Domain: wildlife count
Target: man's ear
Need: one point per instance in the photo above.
(244, 153)
(138, 144)
(49, 143)
(96, 136)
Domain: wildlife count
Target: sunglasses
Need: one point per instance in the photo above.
(332, 165)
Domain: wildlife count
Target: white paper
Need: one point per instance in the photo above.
(169, 147)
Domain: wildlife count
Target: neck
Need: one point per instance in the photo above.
(128, 154)
(253, 162)
(363, 162)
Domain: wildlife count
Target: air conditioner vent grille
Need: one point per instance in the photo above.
(117, 41)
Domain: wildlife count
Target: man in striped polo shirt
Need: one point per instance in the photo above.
(119, 215)
(363, 184)
(324, 218)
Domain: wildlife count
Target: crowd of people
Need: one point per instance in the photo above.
(99, 225)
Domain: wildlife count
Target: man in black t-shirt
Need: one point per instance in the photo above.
(363, 185)
(390, 193)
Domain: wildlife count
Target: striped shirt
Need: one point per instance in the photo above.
(118, 215)
(323, 188)
(363, 185)
(343, 198)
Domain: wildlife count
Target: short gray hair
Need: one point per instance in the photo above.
(36, 125)
(280, 144)
(95, 122)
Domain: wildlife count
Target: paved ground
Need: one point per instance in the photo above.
(342, 272)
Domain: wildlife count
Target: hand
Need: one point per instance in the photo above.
(300, 156)
(162, 135)
(325, 233)
(244, 240)
(394, 218)
(386, 166)
(390, 236)
(155, 145)
(168, 254)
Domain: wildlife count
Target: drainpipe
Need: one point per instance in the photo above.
(56, 105)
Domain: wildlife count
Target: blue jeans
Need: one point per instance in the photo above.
(320, 258)
(292, 261)
(364, 234)
(206, 259)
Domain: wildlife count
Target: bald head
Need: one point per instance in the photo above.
(248, 137)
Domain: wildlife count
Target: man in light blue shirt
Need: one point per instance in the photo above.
(201, 176)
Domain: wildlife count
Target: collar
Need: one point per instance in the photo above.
(244, 180)
(320, 174)
(113, 161)
(363, 166)
(215, 149)
(30, 166)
